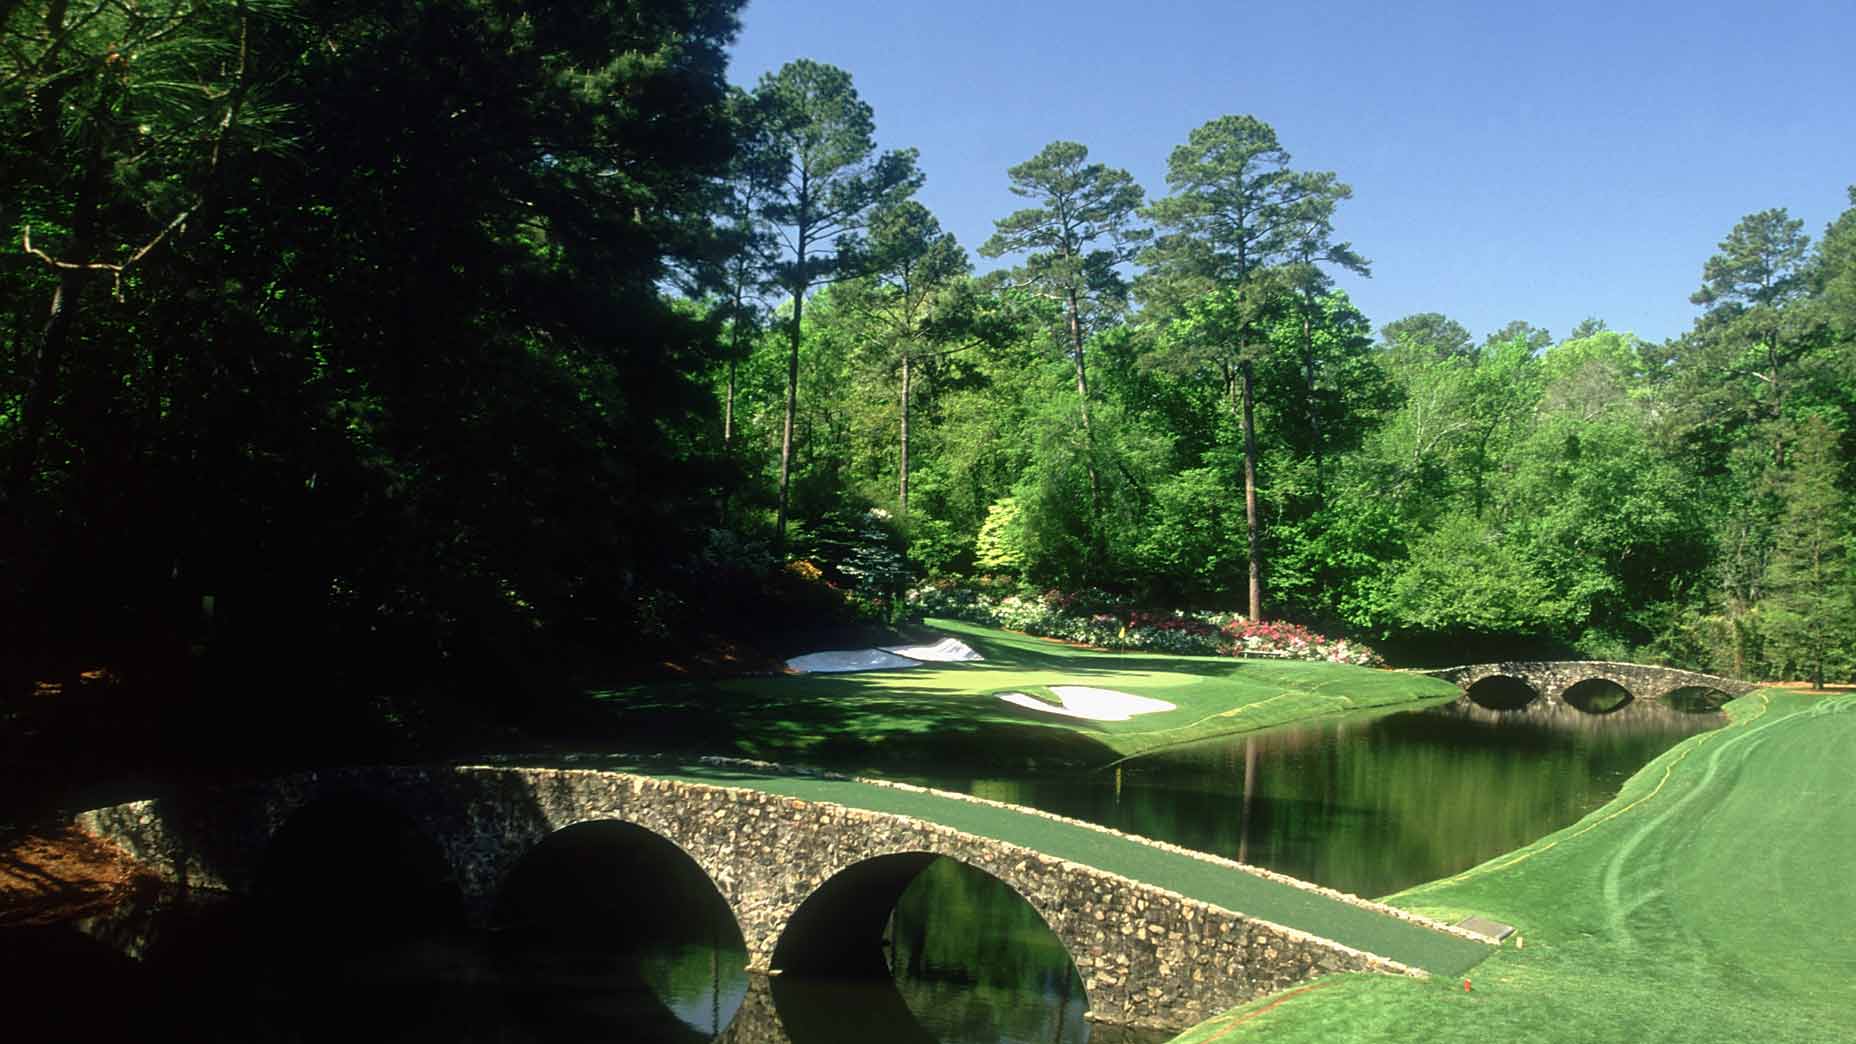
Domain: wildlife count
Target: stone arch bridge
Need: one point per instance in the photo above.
(1556, 686)
(811, 882)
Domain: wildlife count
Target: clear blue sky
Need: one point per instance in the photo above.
(1510, 160)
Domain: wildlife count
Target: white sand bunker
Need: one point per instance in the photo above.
(841, 660)
(1087, 701)
(947, 650)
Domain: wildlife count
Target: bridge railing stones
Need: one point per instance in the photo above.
(1148, 957)
(1552, 678)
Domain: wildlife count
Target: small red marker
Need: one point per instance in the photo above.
(1465, 985)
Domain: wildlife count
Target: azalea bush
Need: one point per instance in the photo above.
(801, 587)
(1276, 637)
(860, 555)
(1101, 619)
(955, 603)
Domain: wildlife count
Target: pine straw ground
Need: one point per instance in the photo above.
(56, 876)
(1713, 900)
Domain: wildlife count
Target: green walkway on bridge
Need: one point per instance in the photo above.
(1220, 885)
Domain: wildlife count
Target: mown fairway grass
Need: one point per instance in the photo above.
(944, 713)
(1713, 900)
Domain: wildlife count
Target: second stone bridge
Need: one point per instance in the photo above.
(811, 866)
(1591, 686)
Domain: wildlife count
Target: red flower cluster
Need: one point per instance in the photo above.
(1276, 632)
(1064, 600)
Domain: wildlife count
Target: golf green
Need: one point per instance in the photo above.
(939, 713)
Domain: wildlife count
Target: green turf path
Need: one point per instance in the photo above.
(952, 712)
(1713, 900)
(1360, 928)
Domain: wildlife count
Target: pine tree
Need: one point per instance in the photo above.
(1082, 228)
(1810, 626)
(1241, 235)
(820, 144)
(912, 265)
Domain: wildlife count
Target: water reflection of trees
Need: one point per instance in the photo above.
(608, 931)
(1371, 806)
(1638, 716)
(969, 960)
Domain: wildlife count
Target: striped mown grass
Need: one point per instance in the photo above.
(1712, 901)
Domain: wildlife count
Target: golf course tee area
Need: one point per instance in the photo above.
(1712, 900)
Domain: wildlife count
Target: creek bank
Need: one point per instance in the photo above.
(56, 875)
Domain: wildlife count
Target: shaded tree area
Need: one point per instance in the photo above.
(400, 369)
(342, 376)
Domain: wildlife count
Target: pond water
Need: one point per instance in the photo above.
(1366, 805)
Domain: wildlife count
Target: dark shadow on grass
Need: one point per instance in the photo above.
(841, 721)
(1020, 652)
(874, 718)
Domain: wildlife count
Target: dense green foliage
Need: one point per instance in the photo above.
(389, 380)
(1444, 498)
(481, 342)
(1103, 621)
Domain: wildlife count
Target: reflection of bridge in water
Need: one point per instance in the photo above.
(808, 868)
(1562, 688)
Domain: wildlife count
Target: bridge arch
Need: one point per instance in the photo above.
(865, 923)
(838, 929)
(1501, 692)
(594, 906)
(1147, 956)
(346, 871)
(1697, 699)
(1598, 695)
(1553, 679)
(615, 873)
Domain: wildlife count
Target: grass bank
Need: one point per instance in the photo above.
(951, 713)
(1711, 901)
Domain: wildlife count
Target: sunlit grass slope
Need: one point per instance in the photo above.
(952, 712)
(1714, 900)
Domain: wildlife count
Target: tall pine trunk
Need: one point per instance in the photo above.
(1308, 378)
(1089, 435)
(734, 358)
(1250, 492)
(902, 486)
(792, 410)
(728, 408)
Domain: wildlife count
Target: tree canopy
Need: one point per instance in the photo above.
(503, 343)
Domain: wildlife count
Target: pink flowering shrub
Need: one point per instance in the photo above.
(1279, 637)
(1096, 618)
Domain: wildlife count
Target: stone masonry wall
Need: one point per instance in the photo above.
(1551, 678)
(1148, 957)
